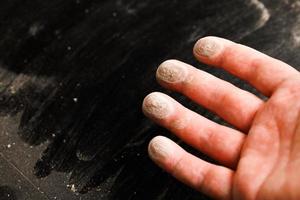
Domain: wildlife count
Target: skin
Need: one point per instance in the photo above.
(260, 158)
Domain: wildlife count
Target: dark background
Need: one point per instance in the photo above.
(73, 74)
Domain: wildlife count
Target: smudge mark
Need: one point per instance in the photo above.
(295, 33)
(130, 8)
(265, 14)
(296, 6)
(35, 28)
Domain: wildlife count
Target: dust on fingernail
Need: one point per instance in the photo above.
(157, 105)
(160, 148)
(207, 47)
(171, 71)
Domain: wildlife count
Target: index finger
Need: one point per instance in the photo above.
(262, 71)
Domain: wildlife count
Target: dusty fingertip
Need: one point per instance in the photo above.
(157, 105)
(171, 71)
(208, 47)
(160, 149)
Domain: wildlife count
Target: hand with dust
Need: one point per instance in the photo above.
(260, 158)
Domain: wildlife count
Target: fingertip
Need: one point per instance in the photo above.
(157, 105)
(171, 72)
(208, 47)
(161, 150)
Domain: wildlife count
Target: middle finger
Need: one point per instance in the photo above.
(233, 104)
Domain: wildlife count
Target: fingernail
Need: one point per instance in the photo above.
(157, 105)
(171, 72)
(160, 148)
(207, 47)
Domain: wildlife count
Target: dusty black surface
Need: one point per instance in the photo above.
(73, 74)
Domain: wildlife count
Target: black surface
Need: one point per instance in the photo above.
(73, 74)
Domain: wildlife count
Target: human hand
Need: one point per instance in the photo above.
(261, 158)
